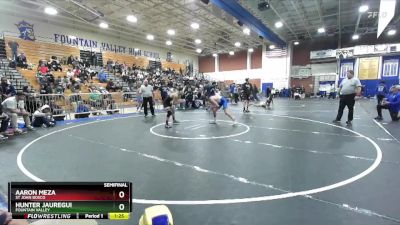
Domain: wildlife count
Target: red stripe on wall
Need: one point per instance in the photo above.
(206, 64)
(256, 59)
(233, 62)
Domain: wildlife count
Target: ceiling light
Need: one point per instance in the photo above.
(197, 41)
(321, 30)
(246, 31)
(296, 43)
(171, 32)
(195, 25)
(131, 18)
(71, 37)
(103, 25)
(391, 32)
(237, 44)
(355, 37)
(278, 24)
(198, 50)
(50, 10)
(363, 8)
(215, 54)
(231, 52)
(168, 42)
(150, 37)
(251, 50)
(271, 46)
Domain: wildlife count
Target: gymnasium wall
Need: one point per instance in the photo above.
(45, 30)
(233, 62)
(273, 70)
(206, 64)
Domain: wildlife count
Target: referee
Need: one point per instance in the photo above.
(348, 89)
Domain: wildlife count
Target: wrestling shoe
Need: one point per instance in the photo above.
(176, 122)
(348, 123)
(378, 118)
(168, 126)
(235, 123)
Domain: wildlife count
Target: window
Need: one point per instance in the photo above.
(390, 68)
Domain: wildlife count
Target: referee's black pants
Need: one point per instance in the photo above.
(346, 100)
(150, 101)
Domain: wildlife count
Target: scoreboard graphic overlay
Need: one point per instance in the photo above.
(70, 200)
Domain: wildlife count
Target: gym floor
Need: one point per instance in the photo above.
(285, 165)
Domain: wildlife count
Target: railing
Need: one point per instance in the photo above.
(82, 105)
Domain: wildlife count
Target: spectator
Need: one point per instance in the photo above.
(42, 117)
(111, 86)
(70, 74)
(4, 125)
(102, 76)
(14, 49)
(6, 89)
(43, 69)
(70, 60)
(22, 61)
(255, 93)
(14, 107)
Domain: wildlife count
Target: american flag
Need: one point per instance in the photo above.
(277, 52)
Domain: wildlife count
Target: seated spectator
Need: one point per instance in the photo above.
(118, 86)
(15, 106)
(12, 64)
(32, 102)
(22, 61)
(42, 117)
(55, 65)
(102, 77)
(77, 71)
(70, 74)
(4, 125)
(6, 89)
(111, 86)
(392, 103)
(43, 69)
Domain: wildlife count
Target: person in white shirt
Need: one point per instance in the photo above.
(348, 89)
(14, 107)
(147, 93)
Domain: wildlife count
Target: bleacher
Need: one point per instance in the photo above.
(15, 78)
(36, 50)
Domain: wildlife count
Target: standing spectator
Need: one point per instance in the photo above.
(348, 89)
(381, 91)
(332, 92)
(22, 61)
(255, 93)
(6, 89)
(70, 60)
(14, 49)
(392, 103)
(14, 107)
(247, 89)
(148, 95)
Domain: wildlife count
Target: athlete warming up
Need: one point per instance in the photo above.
(169, 105)
(217, 101)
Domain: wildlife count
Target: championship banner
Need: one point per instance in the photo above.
(390, 68)
(368, 68)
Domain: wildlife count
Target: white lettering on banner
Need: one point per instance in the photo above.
(87, 43)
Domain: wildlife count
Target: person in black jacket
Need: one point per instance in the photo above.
(247, 90)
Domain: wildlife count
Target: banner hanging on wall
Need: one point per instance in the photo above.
(323, 54)
(368, 68)
(390, 68)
